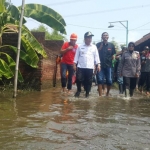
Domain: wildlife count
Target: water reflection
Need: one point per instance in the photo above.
(50, 120)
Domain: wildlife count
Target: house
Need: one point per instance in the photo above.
(144, 41)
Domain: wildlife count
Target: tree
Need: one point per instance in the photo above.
(9, 20)
(53, 35)
(122, 45)
(116, 45)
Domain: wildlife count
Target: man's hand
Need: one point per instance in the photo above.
(113, 57)
(98, 68)
(74, 67)
(101, 46)
(136, 75)
(70, 48)
(117, 57)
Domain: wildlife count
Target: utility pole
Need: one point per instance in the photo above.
(18, 50)
(127, 30)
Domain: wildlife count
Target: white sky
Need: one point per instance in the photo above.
(96, 14)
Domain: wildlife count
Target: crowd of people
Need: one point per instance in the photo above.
(130, 68)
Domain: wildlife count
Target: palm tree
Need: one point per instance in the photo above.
(9, 23)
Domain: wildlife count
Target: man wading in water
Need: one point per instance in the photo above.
(106, 51)
(86, 59)
(68, 51)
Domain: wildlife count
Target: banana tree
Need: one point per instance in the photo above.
(9, 21)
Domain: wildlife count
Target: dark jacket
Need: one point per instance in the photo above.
(106, 53)
(145, 63)
(130, 64)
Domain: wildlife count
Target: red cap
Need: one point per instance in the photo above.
(73, 36)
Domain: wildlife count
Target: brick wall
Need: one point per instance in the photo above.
(52, 48)
(42, 77)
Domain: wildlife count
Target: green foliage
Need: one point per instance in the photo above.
(54, 35)
(15, 14)
(122, 45)
(23, 55)
(9, 20)
(45, 15)
(116, 45)
(2, 6)
(7, 68)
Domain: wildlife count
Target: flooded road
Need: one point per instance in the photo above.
(50, 120)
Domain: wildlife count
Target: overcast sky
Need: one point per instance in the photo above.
(93, 15)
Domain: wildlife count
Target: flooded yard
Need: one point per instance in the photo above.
(50, 120)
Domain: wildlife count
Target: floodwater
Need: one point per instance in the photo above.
(50, 120)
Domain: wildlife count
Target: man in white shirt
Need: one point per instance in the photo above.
(86, 59)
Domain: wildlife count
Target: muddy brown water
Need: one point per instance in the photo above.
(50, 120)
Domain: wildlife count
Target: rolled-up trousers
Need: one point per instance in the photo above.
(64, 69)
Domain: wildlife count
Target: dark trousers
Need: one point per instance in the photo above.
(129, 83)
(64, 69)
(84, 76)
(145, 79)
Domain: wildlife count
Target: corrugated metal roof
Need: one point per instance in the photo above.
(143, 39)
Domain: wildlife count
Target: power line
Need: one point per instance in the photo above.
(109, 10)
(38, 23)
(65, 2)
(92, 27)
(109, 29)
(140, 26)
(29, 19)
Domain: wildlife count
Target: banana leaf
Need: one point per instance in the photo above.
(7, 69)
(2, 6)
(30, 44)
(15, 13)
(45, 15)
(24, 56)
(6, 18)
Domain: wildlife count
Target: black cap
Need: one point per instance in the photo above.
(88, 34)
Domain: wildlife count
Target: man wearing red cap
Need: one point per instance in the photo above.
(68, 51)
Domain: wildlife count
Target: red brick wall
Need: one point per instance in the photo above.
(42, 77)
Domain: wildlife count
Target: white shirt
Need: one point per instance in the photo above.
(87, 56)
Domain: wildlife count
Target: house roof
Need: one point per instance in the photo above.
(143, 39)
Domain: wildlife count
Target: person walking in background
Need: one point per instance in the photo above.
(106, 53)
(145, 71)
(68, 51)
(117, 73)
(130, 69)
(113, 67)
(86, 59)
